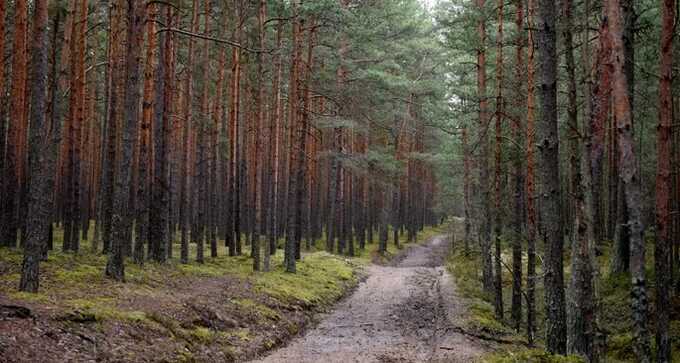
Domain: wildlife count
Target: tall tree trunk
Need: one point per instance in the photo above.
(14, 158)
(297, 140)
(629, 176)
(40, 147)
(466, 190)
(498, 223)
(662, 253)
(484, 195)
(233, 238)
(530, 183)
(185, 205)
(145, 160)
(518, 178)
(260, 113)
(622, 236)
(276, 144)
(3, 130)
(159, 207)
(129, 69)
(572, 106)
(550, 181)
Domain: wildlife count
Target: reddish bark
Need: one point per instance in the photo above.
(662, 249)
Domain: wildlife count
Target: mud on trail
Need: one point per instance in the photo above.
(403, 312)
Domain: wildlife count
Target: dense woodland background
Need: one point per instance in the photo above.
(163, 130)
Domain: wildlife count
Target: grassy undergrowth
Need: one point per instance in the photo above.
(614, 315)
(156, 297)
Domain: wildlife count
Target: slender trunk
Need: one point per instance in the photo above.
(466, 191)
(498, 278)
(296, 175)
(14, 157)
(145, 161)
(629, 176)
(663, 179)
(530, 186)
(185, 191)
(159, 237)
(40, 147)
(260, 102)
(518, 200)
(484, 195)
(550, 181)
(130, 96)
(275, 154)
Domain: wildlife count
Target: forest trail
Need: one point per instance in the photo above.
(402, 313)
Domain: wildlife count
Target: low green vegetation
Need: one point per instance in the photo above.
(529, 356)
(614, 312)
(221, 303)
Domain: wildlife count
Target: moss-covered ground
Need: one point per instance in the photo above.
(614, 315)
(217, 310)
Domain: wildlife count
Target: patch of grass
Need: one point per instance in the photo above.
(482, 319)
(103, 308)
(31, 297)
(201, 335)
(259, 309)
(320, 279)
(74, 285)
(620, 348)
(242, 334)
(529, 356)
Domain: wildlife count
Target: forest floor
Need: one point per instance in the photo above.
(217, 311)
(614, 315)
(406, 311)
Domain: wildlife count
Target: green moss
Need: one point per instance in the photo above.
(320, 279)
(104, 309)
(482, 319)
(201, 335)
(242, 334)
(620, 348)
(260, 309)
(529, 356)
(29, 296)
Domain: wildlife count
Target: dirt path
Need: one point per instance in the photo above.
(401, 313)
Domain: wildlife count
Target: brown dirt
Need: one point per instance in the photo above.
(32, 332)
(406, 312)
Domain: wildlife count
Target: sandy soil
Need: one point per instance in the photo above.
(401, 313)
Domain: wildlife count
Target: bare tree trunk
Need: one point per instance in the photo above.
(466, 191)
(40, 147)
(530, 187)
(550, 182)
(484, 195)
(518, 178)
(629, 176)
(185, 192)
(498, 223)
(662, 253)
(129, 70)
(14, 160)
